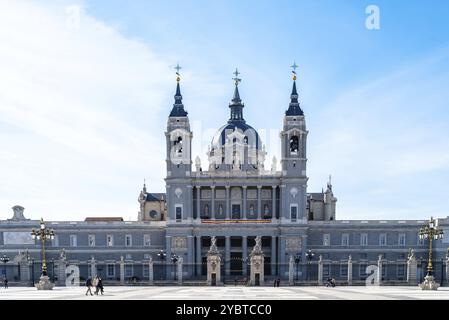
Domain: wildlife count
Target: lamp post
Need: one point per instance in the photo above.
(430, 232)
(309, 256)
(162, 255)
(5, 259)
(297, 261)
(174, 258)
(43, 234)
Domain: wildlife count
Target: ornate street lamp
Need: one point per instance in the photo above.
(297, 261)
(430, 232)
(174, 258)
(309, 256)
(162, 255)
(5, 259)
(43, 234)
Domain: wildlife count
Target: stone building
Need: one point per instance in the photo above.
(235, 199)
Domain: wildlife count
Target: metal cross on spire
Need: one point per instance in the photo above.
(236, 79)
(294, 66)
(178, 75)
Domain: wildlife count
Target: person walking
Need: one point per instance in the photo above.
(278, 282)
(95, 285)
(100, 285)
(89, 286)
(5, 281)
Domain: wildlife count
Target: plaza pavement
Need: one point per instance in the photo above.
(227, 293)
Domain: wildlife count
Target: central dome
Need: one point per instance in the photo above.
(236, 145)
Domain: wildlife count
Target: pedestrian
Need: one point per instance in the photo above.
(95, 285)
(278, 282)
(100, 285)
(89, 286)
(5, 280)
(275, 283)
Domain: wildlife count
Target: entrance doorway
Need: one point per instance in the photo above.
(236, 211)
(236, 264)
(214, 279)
(257, 279)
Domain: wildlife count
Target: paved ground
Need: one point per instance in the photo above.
(229, 293)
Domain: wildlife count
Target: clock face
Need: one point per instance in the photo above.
(153, 214)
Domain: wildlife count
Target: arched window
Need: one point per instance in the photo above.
(294, 145)
(178, 144)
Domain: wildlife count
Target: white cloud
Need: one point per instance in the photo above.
(76, 105)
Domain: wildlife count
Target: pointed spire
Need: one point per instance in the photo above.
(293, 108)
(236, 104)
(178, 107)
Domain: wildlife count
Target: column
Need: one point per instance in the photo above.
(122, 271)
(412, 268)
(228, 255)
(379, 271)
(93, 267)
(282, 262)
(62, 275)
(150, 272)
(291, 270)
(24, 267)
(190, 249)
(320, 271)
(447, 268)
(273, 255)
(244, 217)
(228, 209)
(212, 205)
(179, 270)
(281, 206)
(198, 203)
(167, 258)
(350, 271)
(259, 203)
(245, 255)
(273, 204)
(198, 256)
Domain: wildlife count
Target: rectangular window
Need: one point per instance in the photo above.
(293, 212)
(364, 239)
(178, 210)
(401, 270)
(326, 270)
(362, 271)
(383, 239)
(147, 256)
(326, 239)
(146, 270)
(128, 240)
(91, 240)
(401, 239)
(128, 270)
(128, 256)
(55, 241)
(344, 269)
(109, 240)
(345, 239)
(111, 270)
(146, 240)
(73, 240)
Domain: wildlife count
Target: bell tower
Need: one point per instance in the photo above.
(293, 159)
(179, 159)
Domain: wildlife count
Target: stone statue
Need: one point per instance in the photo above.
(62, 255)
(251, 210)
(18, 213)
(198, 163)
(220, 209)
(206, 210)
(274, 164)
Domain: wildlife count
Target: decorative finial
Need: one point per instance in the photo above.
(294, 66)
(236, 79)
(178, 75)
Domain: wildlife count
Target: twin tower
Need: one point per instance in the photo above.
(235, 187)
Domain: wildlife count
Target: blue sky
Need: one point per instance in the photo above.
(83, 105)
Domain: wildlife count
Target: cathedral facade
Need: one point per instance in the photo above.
(235, 199)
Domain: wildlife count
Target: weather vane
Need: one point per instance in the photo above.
(236, 79)
(294, 66)
(178, 75)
